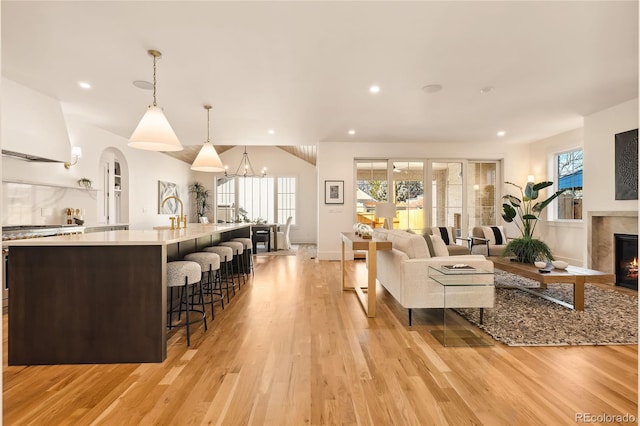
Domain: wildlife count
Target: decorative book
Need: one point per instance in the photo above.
(458, 267)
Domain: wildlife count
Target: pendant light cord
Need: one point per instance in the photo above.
(208, 125)
(154, 81)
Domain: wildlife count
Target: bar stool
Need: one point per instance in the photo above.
(238, 250)
(210, 266)
(185, 275)
(226, 262)
(248, 252)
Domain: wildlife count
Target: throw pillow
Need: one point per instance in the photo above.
(495, 235)
(445, 232)
(413, 245)
(439, 247)
(427, 238)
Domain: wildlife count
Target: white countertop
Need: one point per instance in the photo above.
(131, 238)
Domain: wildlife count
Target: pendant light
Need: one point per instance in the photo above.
(154, 133)
(207, 159)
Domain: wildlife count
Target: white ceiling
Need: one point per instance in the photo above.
(304, 68)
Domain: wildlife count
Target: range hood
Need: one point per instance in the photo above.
(33, 125)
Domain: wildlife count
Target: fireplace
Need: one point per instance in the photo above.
(626, 260)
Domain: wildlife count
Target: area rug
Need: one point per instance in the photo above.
(520, 319)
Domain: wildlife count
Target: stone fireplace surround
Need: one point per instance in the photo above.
(601, 225)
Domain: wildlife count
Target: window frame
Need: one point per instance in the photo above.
(554, 213)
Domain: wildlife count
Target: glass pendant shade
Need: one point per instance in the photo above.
(154, 133)
(207, 160)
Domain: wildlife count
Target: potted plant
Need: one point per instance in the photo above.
(525, 214)
(201, 199)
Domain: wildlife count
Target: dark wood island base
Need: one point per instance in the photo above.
(77, 303)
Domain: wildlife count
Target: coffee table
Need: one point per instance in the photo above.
(572, 275)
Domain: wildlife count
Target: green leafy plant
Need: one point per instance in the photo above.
(524, 212)
(201, 198)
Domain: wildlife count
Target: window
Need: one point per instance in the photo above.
(372, 182)
(286, 199)
(569, 172)
(408, 185)
(446, 195)
(251, 198)
(481, 193)
(256, 198)
(225, 199)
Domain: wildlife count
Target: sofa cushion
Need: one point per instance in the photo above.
(445, 232)
(439, 247)
(495, 235)
(413, 245)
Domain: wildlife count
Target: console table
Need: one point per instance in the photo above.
(366, 295)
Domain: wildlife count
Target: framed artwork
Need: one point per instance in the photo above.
(168, 189)
(626, 165)
(334, 192)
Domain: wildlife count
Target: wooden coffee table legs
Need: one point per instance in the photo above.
(578, 294)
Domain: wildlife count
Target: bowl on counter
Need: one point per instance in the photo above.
(540, 264)
(560, 264)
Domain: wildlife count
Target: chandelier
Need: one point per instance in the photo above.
(245, 169)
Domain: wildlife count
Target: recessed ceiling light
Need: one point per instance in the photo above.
(486, 89)
(84, 85)
(352, 132)
(374, 89)
(432, 88)
(271, 132)
(501, 133)
(144, 85)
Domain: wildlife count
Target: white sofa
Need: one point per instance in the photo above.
(404, 272)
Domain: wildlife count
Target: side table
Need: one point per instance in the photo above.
(455, 331)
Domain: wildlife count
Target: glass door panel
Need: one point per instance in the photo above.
(408, 186)
(481, 194)
(371, 187)
(447, 195)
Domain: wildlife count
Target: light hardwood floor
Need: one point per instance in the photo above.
(292, 349)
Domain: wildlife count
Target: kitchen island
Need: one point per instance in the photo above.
(98, 297)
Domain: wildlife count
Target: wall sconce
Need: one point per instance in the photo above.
(531, 178)
(76, 153)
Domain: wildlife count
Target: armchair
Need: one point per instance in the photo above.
(488, 240)
(448, 236)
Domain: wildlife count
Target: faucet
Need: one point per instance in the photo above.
(182, 217)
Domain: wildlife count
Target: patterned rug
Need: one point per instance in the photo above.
(521, 319)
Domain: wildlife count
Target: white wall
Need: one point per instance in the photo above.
(336, 162)
(565, 238)
(568, 239)
(280, 163)
(599, 163)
